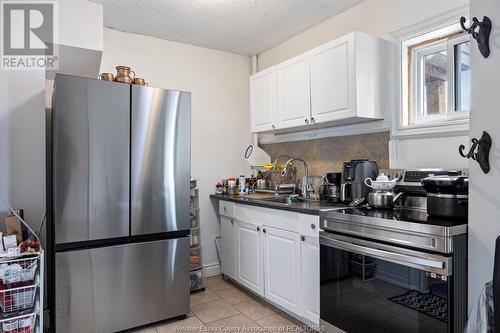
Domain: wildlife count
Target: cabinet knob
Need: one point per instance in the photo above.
(258, 229)
(313, 226)
(273, 126)
(312, 120)
(302, 238)
(264, 230)
(225, 210)
(307, 121)
(232, 222)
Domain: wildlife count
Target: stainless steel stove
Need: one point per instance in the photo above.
(393, 270)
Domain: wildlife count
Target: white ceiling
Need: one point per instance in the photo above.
(239, 26)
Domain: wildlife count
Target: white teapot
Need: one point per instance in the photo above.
(382, 183)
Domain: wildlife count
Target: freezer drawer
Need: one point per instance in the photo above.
(114, 288)
(161, 160)
(91, 153)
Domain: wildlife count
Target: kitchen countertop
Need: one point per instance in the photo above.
(311, 208)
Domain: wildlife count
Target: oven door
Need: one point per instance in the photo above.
(372, 287)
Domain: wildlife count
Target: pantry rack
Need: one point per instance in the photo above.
(21, 307)
(196, 270)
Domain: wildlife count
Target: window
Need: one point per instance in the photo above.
(435, 78)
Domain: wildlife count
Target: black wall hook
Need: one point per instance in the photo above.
(479, 151)
(482, 36)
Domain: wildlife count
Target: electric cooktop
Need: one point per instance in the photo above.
(402, 214)
(407, 219)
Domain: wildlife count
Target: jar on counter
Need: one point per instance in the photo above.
(218, 188)
(231, 186)
(242, 181)
(224, 186)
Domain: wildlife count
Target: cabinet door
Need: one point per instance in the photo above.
(333, 80)
(263, 100)
(228, 237)
(309, 256)
(249, 257)
(282, 267)
(293, 93)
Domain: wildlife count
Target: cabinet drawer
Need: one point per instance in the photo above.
(309, 225)
(226, 208)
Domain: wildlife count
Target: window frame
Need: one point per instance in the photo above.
(416, 105)
(457, 124)
(453, 113)
(416, 111)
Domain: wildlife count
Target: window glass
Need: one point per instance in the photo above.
(435, 81)
(462, 76)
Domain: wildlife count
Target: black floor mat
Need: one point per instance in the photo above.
(430, 304)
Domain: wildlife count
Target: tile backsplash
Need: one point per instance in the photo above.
(328, 154)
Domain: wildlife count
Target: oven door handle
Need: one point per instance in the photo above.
(425, 264)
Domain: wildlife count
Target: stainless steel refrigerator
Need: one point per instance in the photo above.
(118, 178)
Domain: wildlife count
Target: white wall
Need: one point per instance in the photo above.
(484, 200)
(22, 112)
(22, 142)
(430, 152)
(376, 17)
(218, 82)
(379, 18)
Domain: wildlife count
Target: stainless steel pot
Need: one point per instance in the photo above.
(383, 199)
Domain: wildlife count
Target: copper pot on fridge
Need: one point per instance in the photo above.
(107, 77)
(123, 75)
(140, 81)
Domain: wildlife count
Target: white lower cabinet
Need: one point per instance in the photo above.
(282, 267)
(278, 260)
(228, 229)
(309, 269)
(250, 268)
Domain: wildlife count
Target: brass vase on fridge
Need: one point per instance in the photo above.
(123, 75)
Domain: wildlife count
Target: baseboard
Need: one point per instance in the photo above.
(211, 270)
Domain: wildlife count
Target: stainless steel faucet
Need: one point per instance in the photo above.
(306, 188)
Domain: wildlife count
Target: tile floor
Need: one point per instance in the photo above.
(228, 308)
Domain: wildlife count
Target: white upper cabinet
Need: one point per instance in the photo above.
(347, 79)
(293, 93)
(341, 82)
(332, 83)
(263, 100)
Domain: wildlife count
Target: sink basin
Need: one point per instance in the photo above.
(289, 201)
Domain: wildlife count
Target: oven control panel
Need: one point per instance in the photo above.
(413, 177)
(416, 176)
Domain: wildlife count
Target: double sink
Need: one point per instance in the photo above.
(289, 200)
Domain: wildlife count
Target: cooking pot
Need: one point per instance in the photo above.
(447, 196)
(107, 77)
(383, 199)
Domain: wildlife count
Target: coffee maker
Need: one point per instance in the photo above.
(354, 173)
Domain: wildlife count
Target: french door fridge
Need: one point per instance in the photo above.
(118, 205)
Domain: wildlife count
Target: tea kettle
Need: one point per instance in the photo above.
(382, 183)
